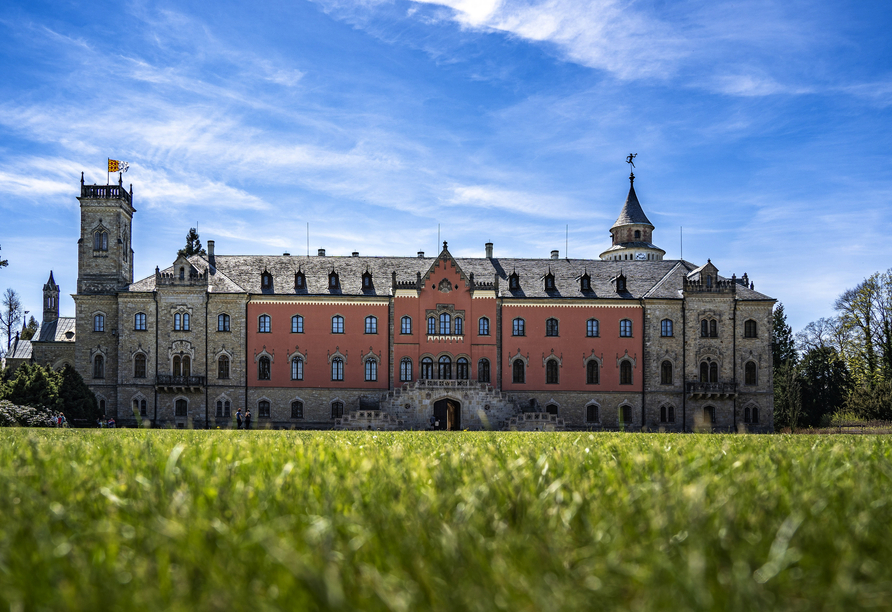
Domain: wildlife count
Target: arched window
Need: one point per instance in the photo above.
(371, 325)
(297, 409)
(263, 368)
(666, 373)
(139, 366)
(459, 326)
(445, 324)
(483, 326)
(517, 327)
(592, 373)
(223, 367)
(483, 371)
(263, 408)
(518, 373)
(297, 324)
(99, 323)
(371, 370)
(177, 366)
(513, 281)
(666, 328)
(755, 416)
(625, 328)
(223, 322)
(704, 372)
(99, 366)
(333, 282)
(625, 415)
(427, 368)
(405, 369)
(139, 321)
(592, 328)
(219, 412)
(181, 321)
(551, 327)
(713, 329)
(625, 372)
(263, 324)
(667, 414)
(337, 324)
(143, 409)
(551, 409)
(223, 408)
(746, 415)
(300, 281)
(461, 368)
(592, 413)
(367, 280)
(704, 328)
(551, 372)
(549, 282)
(431, 326)
(181, 408)
(337, 369)
(749, 329)
(100, 241)
(709, 415)
(266, 280)
(187, 366)
(444, 368)
(713, 372)
(749, 373)
(297, 369)
(337, 410)
(406, 325)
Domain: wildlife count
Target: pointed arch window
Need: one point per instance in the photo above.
(139, 366)
(551, 372)
(444, 368)
(371, 370)
(585, 283)
(667, 414)
(300, 281)
(518, 373)
(462, 369)
(297, 409)
(483, 371)
(405, 369)
(549, 282)
(592, 373)
(625, 372)
(513, 281)
(337, 369)
(367, 280)
(100, 241)
(713, 372)
(666, 373)
(337, 410)
(223, 367)
(427, 368)
(266, 281)
(704, 372)
(263, 408)
(264, 368)
(333, 281)
(749, 373)
(592, 413)
(181, 408)
(625, 415)
(297, 369)
(224, 408)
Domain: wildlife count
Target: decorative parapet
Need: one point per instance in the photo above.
(106, 192)
(716, 287)
(704, 390)
(194, 278)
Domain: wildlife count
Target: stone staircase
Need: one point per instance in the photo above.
(376, 420)
(536, 421)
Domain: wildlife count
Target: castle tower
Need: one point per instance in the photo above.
(632, 233)
(50, 300)
(105, 256)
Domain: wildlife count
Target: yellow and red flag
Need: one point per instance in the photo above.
(115, 165)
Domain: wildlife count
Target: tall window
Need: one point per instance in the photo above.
(551, 327)
(223, 367)
(518, 372)
(666, 328)
(427, 368)
(371, 370)
(100, 241)
(709, 415)
(666, 373)
(592, 413)
(704, 372)
(181, 321)
(180, 407)
(223, 322)
(99, 323)
(483, 371)
(263, 324)
(483, 326)
(143, 409)
(431, 326)
(749, 373)
(592, 373)
(139, 321)
(704, 328)
(459, 326)
(445, 324)
(337, 410)
(371, 325)
(592, 328)
(223, 408)
(297, 324)
(667, 414)
(99, 366)
(333, 281)
(517, 327)
(337, 369)
(177, 366)
(625, 373)
(444, 368)
(713, 372)
(139, 366)
(625, 415)
(263, 408)
(625, 328)
(297, 369)
(263, 368)
(551, 372)
(461, 368)
(297, 409)
(337, 324)
(749, 329)
(713, 329)
(405, 369)
(406, 325)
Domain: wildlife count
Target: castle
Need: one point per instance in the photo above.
(631, 341)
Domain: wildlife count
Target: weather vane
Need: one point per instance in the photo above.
(631, 163)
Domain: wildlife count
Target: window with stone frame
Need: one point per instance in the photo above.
(459, 326)
(585, 283)
(625, 372)
(483, 327)
(224, 408)
(749, 329)
(513, 281)
(751, 415)
(518, 372)
(750, 373)
(333, 281)
(551, 372)
(98, 366)
(625, 328)
(223, 322)
(371, 325)
(100, 241)
(300, 281)
(666, 373)
(263, 324)
(518, 327)
(337, 369)
(337, 324)
(592, 373)
(223, 367)
(405, 369)
(139, 321)
(592, 413)
(666, 328)
(431, 326)
(371, 370)
(592, 328)
(264, 368)
(263, 409)
(625, 415)
(98, 323)
(549, 282)
(551, 409)
(337, 410)
(427, 368)
(181, 408)
(483, 371)
(181, 321)
(551, 327)
(406, 325)
(444, 368)
(297, 368)
(297, 409)
(297, 324)
(445, 323)
(462, 369)
(139, 366)
(667, 414)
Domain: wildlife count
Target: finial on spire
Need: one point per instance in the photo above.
(444, 245)
(629, 161)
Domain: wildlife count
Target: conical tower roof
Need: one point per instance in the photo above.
(632, 213)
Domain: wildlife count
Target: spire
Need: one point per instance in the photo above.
(51, 282)
(632, 213)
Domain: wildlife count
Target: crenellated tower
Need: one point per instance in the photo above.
(105, 254)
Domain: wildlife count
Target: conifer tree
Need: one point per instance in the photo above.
(193, 244)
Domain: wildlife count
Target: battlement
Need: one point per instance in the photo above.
(172, 279)
(106, 192)
(716, 287)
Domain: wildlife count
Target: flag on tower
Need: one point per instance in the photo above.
(115, 165)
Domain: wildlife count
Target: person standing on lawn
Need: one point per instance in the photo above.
(238, 418)
(248, 419)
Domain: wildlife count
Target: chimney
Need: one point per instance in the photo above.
(211, 257)
(355, 253)
(488, 250)
(555, 254)
(321, 252)
(420, 254)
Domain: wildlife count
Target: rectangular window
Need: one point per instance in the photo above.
(371, 325)
(297, 410)
(139, 322)
(483, 328)
(625, 328)
(223, 322)
(592, 328)
(297, 324)
(263, 408)
(406, 325)
(666, 328)
(517, 328)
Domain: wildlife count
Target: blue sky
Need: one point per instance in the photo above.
(762, 128)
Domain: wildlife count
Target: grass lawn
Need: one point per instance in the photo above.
(233, 520)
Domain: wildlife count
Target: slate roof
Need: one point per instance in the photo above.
(632, 213)
(22, 349)
(56, 331)
(644, 279)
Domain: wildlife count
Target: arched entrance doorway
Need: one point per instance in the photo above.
(447, 415)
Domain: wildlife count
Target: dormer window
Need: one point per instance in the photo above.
(367, 280)
(585, 283)
(620, 283)
(266, 280)
(549, 282)
(300, 281)
(513, 281)
(333, 282)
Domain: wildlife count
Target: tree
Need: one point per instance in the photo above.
(10, 314)
(872, 403)
(787, 397)
(193, 244)
(30, 329)
(826, 383)
(34, 385)
(783, 348)
(865, 321)
(78, 402)
(3, 262)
